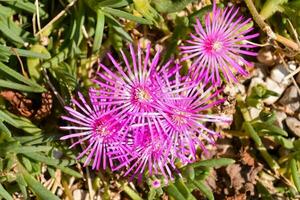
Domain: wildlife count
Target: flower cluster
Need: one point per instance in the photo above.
(146, 117)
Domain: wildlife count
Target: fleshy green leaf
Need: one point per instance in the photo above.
(4, 193)
(204, 189)
(217, 162)
(99, 31)
(38, 188)
(295, 174)
(52, 162)
(126, 15)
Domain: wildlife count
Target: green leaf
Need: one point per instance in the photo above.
(64, 74)
(34, 64)
(31, 149)
(183, 189)
(267, 117)
(8, 147)
(38, 188)
(263, 191)
(5, 130)
(27, 6)
(169, 6)
(267, 128)
(286, 143)
(20, 122)
(33, 87)
(52, 162)
(17, 86)
(200, 14)
(189, 172)
(126, 15)
(108, 3)
(295, 174)
(61, 56)
(204, 189)
(37, 139)
(270, 7)
(174, 192)
(146, 10)
(10, 34)
(4, 193)
(217, 162)
(23, 52)
(22, 185)
(180, 32)
(131, 193)
(99, 31)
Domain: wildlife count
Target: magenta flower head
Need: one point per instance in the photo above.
(131, 86)
(185, 119)
(216, 48)
(99, 131)
(152, 152)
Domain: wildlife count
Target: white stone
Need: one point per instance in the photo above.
(280, 116)
(254, 112)
(79, 194)
(290, 99)
(278, 73)
(294, 125)
(275, 87)
(292, 66)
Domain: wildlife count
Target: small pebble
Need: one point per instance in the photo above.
(292, 65)
(294, 125)
(298, 78)
(267, 57)
(278, 73)
(260, 70)
(79, 194)
(290, 100)
(275, 87)
(254, 112)
(280, 116)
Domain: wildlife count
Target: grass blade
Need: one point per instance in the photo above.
(23, 52)
(5, 130)
(17, 86)
(31, 149)
(204, 189)
(295, 174)
(26, 6)
(218, 162)
(33, 87)
(38, 188)
(10, 34)
(126, 15)
(174, 192)
(99, 31)
(4, 193)
(52, 162)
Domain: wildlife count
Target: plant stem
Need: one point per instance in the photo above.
(131, 192)
(259, 145)
(266, 28)
(254, 136)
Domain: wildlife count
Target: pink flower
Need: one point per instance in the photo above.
(217, 48)
(100, 132)
(152, 152)
(133, 87)
(184, 119)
